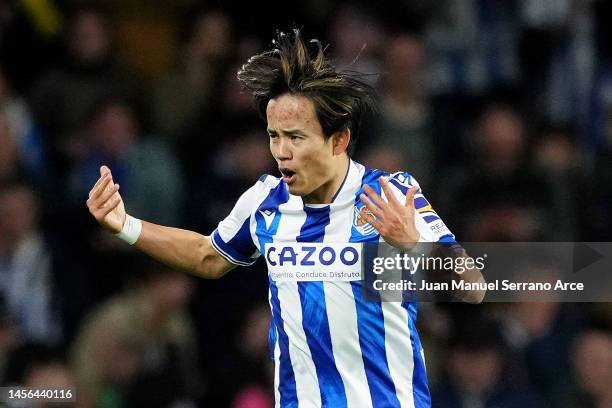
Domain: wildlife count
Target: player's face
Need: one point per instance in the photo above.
(304, 156)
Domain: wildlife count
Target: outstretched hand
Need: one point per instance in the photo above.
(105, 202)
(393, 220)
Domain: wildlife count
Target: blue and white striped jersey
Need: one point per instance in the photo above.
(331, 347)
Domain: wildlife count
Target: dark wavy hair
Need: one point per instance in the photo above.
(340, 98)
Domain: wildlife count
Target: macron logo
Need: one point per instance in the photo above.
(268, 217)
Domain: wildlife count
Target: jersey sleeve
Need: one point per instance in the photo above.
(428, 222)
(232, 238)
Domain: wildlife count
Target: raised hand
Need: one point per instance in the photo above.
(105, 202)
(393, 220)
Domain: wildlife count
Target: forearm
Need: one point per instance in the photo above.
(182, 249)
(469, 273)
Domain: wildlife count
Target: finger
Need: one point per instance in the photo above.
(113, 203)
(370, 219)
(384, 183)
(100, 188)
(106, 170)
(374, 197)
(410, 196)
(96, 185)
(108, 193)
(371, 206)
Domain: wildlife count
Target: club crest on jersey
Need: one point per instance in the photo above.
(362, 227)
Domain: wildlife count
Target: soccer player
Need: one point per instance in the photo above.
(331, 347)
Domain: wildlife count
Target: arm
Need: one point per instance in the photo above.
(469, 275)
(180, 249)
(395, 222)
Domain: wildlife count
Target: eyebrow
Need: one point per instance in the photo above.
(288, 131)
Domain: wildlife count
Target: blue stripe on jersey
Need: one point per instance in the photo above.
(420, 202)
(449, 238)
(286, 385)
(272, 339)
(370, 323)
(401, 187)
(240, 248)
(430, 218)
(370, 177)
(371, 329)
(420, 390)
(314, 317)
(287, 390)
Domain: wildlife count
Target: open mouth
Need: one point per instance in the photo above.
(288, 175)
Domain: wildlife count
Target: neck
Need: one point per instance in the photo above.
(326, 193)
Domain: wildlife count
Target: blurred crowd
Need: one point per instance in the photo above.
(501, 109)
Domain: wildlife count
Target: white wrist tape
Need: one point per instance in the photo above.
(132, 227)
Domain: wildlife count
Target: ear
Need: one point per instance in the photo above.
(341, 141)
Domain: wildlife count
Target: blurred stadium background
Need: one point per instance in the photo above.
(501, 109)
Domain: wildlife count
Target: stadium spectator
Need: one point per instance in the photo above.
(10, 165)
(476, 365)
(25, 266)
(539, 335)
(382, 157)
(138, 349)
(16, 121)
(600, 225)
(358, 39)
(403, 125)
(592, 369)
(63, 96)
(51, 373)
(558, 159)
(237, 163)
(8, 338)
(557, 58)
(147, 170)
(248, 373)
(182, 94)
(473, 47)
(514, 202)
(230, 115)
(15, 109)
(37, 365)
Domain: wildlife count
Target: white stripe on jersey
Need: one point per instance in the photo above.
(341, 310)
(276, 371)
(304, 370)
(399, 351)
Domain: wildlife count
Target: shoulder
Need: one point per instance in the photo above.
(264, 187)
(266, 184)
(269, 181)
(401, 180)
